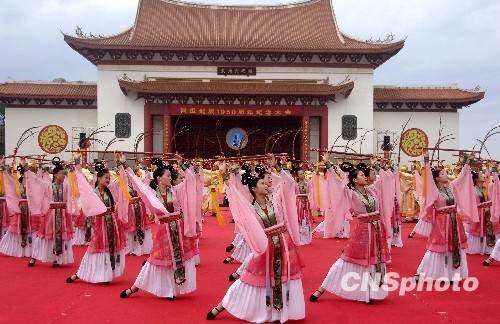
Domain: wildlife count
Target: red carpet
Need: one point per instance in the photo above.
(40, 294)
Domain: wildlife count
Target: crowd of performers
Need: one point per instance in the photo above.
(274, 205)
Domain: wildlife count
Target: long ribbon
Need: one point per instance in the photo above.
(72, 181)
(124, 188)
(215, 201)
(2, 186)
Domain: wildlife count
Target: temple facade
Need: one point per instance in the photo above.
(201, 80)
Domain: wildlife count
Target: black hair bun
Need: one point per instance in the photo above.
(99, 166)
(346, 167)
(157, 162)
(259, 170)
(363, 167)
(246, 178)
(245, 167)
(56, 161)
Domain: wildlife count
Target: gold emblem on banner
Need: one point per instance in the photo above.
(412, 140)
(53, 139)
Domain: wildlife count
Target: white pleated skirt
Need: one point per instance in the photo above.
(434, 266)
(396, 239)
(423, 228)
(237, 239)
(96, 267)
(495, 254)
(43, 250)
(305, 233)
(133, 245)
(248, 303)
(344, 232)
(11, 245)
(241, 250)
(160, 280)
(79, 237)
(345, 279)
(320, 228)
(475, 246)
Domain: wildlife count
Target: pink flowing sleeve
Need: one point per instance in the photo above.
(199, 194)
(495, 198)
(71, 202)
(418, 186)
(244, 215)
(431, 195)
(37, 194)
(337, 204)
(91, 204)
(386, 192)
(236, 181)
(10, 194)
(465, 195)
(147, 195)
(397, 186)
(121, 201)
(185, 193)
(289, 206)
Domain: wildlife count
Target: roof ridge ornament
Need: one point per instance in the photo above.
(81, 34)
(389, 39)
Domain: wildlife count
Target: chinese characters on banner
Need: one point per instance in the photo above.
(282, 111)
(234, 70)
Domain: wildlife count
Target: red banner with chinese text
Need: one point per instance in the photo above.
(232, 111)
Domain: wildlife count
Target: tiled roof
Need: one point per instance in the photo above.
(309, 26)
(48, 89)
(236, 87)
(426, 94)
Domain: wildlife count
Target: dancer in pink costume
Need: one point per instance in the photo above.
(495, 215)
(304, 208)
(104, 259)
(366, 252)
(170, 269)
(481, 236)
(270, 288)
(55, 202)
(449, 205)
(17, 242)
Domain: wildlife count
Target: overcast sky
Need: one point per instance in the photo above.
(449, 42)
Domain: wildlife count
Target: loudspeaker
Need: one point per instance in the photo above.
(387, 143)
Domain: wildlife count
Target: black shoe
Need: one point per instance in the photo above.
(70, 279)
(410, 235)
(105, 283)
(55, 265)
(371, 302)
(31, 264)
(232, 277)
(211, 316)
(227, 260)
(171, 298)
(315, 298)
(487, 262)
(124, 294)
(231, 221)
(144, 262)
(230, 247)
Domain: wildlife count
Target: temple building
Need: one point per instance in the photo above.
(201, 79)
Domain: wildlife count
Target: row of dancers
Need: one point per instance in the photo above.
(270, 225)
